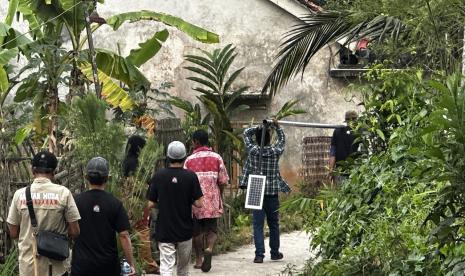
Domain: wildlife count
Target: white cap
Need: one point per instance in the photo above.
(176, 150)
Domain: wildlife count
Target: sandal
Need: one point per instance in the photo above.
(207, 261)
(197, 266)
(152, 268)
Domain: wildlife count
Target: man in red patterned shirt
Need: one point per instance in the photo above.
(212, 175)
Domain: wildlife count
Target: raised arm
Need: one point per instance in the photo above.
(248, 139)
(279, 146)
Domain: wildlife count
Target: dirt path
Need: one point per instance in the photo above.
(295, 247)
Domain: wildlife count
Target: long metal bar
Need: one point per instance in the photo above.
(301, 124)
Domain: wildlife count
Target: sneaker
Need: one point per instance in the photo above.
(278, 256)
(258, 260)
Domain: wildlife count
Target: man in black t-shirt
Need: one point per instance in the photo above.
(173, 191)
(102, 216)
(342, 144)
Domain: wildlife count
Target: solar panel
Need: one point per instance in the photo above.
(255, 192)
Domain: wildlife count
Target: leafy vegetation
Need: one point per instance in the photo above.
(397, 213)
(50, 65)
(218, 95)
(422, 33)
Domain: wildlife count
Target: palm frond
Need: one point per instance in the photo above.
(204, 73)
(181, 104)
(224, 67)
(203, 62)
(231, 79)
(236, 94)
(319, 29)
(204, 91)
(204, 82)
(288, 110)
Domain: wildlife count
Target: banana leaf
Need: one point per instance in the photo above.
(3, 80)
(28, 88)
(32, 19)
(148, 49)
(11, 37)
(191, 30)
(12, 7)
(111, 92)
(72, 11)
(22, 133)
(119, 68)
(7, 54)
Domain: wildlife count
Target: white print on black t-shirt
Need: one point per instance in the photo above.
(96, 209)
(174, 180)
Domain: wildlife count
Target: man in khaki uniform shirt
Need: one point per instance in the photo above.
(55, 211)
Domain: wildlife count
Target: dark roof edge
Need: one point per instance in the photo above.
(293, 7)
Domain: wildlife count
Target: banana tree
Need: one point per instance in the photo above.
(44, 16)
(72, 13)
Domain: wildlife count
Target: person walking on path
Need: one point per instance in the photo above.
(342, 145)
(274, 184)
(103, 215)
(132, 172)
(213, 176)
(55, 211)
(173, 190)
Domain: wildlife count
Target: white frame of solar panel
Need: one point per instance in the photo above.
(249, 190)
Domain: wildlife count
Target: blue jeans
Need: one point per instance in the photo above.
(270, 209)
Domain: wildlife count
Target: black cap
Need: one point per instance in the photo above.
(45, 160)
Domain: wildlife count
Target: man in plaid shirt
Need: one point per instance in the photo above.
(274, 185)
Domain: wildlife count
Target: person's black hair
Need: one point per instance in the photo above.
(133, 148)
(201, 136)
(96, 179)
(135, 144)
(258, 136)
(171, 161)
(42, 170)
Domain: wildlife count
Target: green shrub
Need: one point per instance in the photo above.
(400, 212)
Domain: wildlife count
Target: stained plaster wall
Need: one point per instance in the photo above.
(255, 27)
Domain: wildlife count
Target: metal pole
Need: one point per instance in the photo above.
(301, 124)
(262, 144)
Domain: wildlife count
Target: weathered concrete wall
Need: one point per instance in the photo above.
(255, 27)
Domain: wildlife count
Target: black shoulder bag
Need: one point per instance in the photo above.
(49, 244)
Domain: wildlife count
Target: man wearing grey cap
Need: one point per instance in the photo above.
(173, 191)
(102, 215)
